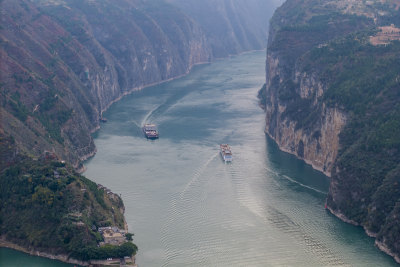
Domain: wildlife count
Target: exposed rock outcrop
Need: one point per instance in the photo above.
(231, 26)
(65, 62)
(318, 142)
(332, 99)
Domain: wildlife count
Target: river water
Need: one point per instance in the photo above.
(188, 208)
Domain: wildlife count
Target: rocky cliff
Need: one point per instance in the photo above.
(231, 26)
(332, 98)
(64, 62)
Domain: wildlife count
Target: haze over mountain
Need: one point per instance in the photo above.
(62, 63)
(332, 91)
(65, 62)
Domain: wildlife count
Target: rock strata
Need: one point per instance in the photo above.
(65, 62)
(331, 99)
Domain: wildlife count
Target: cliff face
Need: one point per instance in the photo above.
(303, 126)
(332, 99)
(64, 62)
(297, 118)
(231, 26)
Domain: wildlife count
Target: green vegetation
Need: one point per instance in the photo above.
(46, 205)
(53, 114)
(298, 36)
(62, 63)
(17, 108)
(105, 252)
(365, 84)
(129, 236)
(315, 40)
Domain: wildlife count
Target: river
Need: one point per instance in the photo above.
(188, 208)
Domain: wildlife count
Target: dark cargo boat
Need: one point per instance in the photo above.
(150, 131)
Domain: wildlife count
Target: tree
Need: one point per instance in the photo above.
(129, 236)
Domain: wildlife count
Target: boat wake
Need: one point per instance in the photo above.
(196, 175)
(295, 182)
(302, 234)
(136, 124)
(245, 194)
(165, 105)
(149, 114)
(180, 219)
(303, 185)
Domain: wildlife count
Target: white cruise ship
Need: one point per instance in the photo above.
(226, 152)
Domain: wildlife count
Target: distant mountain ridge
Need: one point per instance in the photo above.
(64, 62)
(231, 26)
(332, 98)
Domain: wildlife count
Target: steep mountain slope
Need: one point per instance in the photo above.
(231, 26)
(47, 208)
(64, 62)
(332, 99)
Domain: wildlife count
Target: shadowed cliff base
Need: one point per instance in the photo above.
(64, 63)
(332, 99)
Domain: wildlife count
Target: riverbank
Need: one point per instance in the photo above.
(65, 258)
(378, 244)
(340, 215)
(195, 211)
(80, 168)
(34, 252)
(308, 162)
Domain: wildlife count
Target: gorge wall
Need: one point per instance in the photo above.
(64, 62)
(231, 26)
(332, 98)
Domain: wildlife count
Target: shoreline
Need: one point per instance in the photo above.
(64, 257)
(379, 244)
(308, 162)
(144, 86)
(61, 257)
(385, 249)
(343, 218)
(80, 168)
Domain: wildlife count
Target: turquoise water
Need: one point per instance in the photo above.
(12, 258)
(188, 208)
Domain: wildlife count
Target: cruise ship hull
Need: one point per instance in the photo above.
(226, 152)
